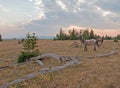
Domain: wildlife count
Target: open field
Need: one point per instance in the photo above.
(102, 72)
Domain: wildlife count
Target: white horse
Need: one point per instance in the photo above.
(89, 42)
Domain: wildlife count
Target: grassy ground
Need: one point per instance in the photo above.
(91, 73)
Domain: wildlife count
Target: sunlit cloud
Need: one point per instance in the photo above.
(103, 32)
(62, 5)
(108, 32)
(39, 5)
(104, 12)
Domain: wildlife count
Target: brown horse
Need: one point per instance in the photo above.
(89, 42)
(100, 41)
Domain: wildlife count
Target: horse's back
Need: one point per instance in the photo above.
(91, 42)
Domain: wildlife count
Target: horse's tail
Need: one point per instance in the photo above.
(97, 43)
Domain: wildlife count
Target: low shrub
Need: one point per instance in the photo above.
(25, 56)
(115, 40)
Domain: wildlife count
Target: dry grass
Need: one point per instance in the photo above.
(91, 73)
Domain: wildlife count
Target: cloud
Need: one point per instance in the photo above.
(39, 5)
(77, 12)
(62, 5)
(30, 0)
(104, 12)
(48, 16)
(4, 9)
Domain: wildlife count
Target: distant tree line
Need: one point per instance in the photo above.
(0, 37)
(73, 34)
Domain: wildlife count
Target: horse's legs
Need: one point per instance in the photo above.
(97, 42)
(94, 47)
(85, 47)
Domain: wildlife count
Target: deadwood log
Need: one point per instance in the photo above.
(13, 64)
(45, 56)
(61, 58)
(43, 71)
(103, 55)
(39, 62)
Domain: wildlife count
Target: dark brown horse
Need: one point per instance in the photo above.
(100, 41)
(89, 42)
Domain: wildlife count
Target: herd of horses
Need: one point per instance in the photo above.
(95, 42)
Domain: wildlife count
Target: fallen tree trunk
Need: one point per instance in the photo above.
(39, 62)
(103, 55)
(61, 58)
(73, 62)
(45, 56)
(11, 65)
(43, 71)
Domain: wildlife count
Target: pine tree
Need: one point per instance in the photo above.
(86, 34)
(73, 34)
(61, 35)
(29, 46)
(118, 37)
(91, 35)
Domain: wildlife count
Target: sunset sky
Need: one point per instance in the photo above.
(46, 17)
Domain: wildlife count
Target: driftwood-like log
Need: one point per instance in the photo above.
(46, 56)
(39, 62)
(4, 67)
(11, 65)
(103, 55)
(73, 62)
(61, 58)
(43, 71)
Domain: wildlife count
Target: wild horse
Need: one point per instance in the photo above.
(86, 43)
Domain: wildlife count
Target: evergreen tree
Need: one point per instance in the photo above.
(91, 35)
(61, 35)
(108, 37)
(29, 46)
(118, 37)
(73, 34)
(86, 34)
(97, 36)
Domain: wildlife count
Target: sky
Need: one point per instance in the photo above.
(46, 17)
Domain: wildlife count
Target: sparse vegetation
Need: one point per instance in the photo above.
(102, 72)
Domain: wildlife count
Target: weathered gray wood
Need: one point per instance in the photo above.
(11, 65)
(48, 70)
(43, 71)
(103, 55)
(73, 62)
(61, 58)
(4, 67)
(39, 62)
(46, 56)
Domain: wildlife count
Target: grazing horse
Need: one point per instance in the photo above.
(100, 41)
(89, 42)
